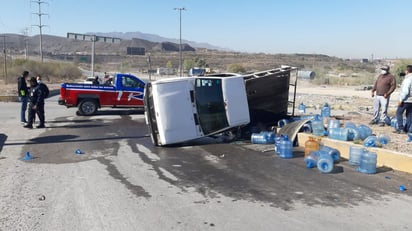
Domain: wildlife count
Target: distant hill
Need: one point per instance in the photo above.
(156, 39)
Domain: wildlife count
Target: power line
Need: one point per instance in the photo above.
(40, 25)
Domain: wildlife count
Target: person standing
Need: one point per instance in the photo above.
(45, 91)
(36, 104)
(23, 93)
(405, 103)
(384, 86)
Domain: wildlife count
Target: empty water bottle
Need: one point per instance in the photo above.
(325, 112)
(286, 148)
(311, 145)
(368, 163)
(302, 108)
(325, 163)
(364, 131)
(333, 124)
(312, 159)
(282, 122)
(334, 153)
(338, 133)
(278, 139)
(383, 138)
(370, 141)
(355, 154)
(264, 137)
(317, 126)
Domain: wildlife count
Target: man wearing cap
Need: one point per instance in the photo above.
(384, 86)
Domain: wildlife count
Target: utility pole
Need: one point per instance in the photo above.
(26, 43)
(5, 58)
(40, 26)
(180, 40)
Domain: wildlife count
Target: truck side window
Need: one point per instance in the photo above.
(132, 83)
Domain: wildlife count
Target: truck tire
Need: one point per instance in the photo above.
(88, 107)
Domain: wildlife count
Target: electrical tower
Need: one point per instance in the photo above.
(40, 25)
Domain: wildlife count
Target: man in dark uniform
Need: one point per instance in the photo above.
(36, 104)
(23, 93)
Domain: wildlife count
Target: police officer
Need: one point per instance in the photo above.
(36, 104)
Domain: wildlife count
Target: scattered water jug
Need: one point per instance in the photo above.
(364, 131)
(278, 139)
(317, 126)
(312, 159)
(325, 163)
(311, 145)
(349, 125)
(286, 148)
(282, 122)
(355, 154)
(306, 128)
(353, 133)
(302, 108)
(383, 138)
(370, 141)
(325, 112)
(333, 124)
(338, 133)
(264, 137)
(368, 163)
(334, 153)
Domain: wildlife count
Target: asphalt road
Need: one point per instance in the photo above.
(122, 182)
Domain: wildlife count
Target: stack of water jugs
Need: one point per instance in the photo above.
(365, 160)
(320, 156)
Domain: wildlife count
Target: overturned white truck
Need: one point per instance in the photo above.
(183, 109)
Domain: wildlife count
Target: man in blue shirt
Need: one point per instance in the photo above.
(405, 103)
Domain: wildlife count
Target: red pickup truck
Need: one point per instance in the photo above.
(125, 91)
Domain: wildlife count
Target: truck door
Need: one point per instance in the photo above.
(130, 91)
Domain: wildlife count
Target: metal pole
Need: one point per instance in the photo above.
(93, 46)
(5, 59)
(150, 67)
(180, 40)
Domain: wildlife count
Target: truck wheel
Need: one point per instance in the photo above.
(88, 107)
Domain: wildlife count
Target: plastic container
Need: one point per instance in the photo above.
(383, 138)
(286, 148)
(311, 145)
(368, 163)
(278, 139)
(325, 111)
(370, 141)
(312, 159)
(364, 131)
(333, 124)
(355, 154)
(325, 162)
(317, 126)
(338, 134)
(334, 153)
(282, 122)
(353, 133)
(302, 108)
(349, 125)
(306, 128)
(265, 137)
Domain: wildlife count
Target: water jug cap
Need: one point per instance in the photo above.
(286, 137)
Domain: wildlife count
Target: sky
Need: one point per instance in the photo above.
(341, 28)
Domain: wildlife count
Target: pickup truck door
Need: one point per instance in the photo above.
(129, 91)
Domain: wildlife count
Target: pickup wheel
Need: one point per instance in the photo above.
(88, 107)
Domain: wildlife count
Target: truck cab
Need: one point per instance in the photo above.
(125, 91)
(183, 109)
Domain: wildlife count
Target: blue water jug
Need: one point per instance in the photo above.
(349, 125)
(282, 122)
(312, 159)
(317, 126)
(306, 128)
(370, 141)
(333, 124)
(302, 108)
(338, 133)
(368, 163)
(383, 138)
(278, 139)
(334, 153)
(364, 131)
(286, 148)
(353, 133)
(355, 154)
(325, 163)
(325, 112)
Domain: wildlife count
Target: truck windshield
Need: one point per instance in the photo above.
(210, 105)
